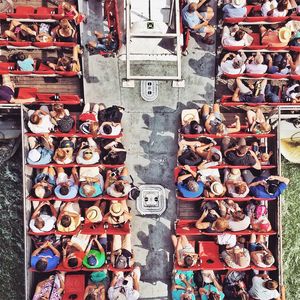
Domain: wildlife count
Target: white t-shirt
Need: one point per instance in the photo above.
(227, 239)
(266, 7)
(48, 221)
(256, 69)
(112, 191)
(227, 67)
(94, 159)
(239, 225)
(45, 125)
(130, 293)
(290, 89)
(258, 291)
(115, 128)
(63, 177)
(277, 13)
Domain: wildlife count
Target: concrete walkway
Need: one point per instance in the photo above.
(150, 137)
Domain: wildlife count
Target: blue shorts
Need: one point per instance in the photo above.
(255, 247)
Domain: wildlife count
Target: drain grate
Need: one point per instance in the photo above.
(149, 90)
(152, 199)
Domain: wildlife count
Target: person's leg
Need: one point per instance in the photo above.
(216, 108)
(98, 34)
(51, 173)
(96, 110)
(117, 243)
(124, 204)
(126, 243)
(263, 86)
(248, 176)
(209, 13)
(10, 34)
(91, 142)
(251, 116)
(235, 96)
(184, 241)
(227, 142)
(86, 108)
(205, 111)
(260, 118)
(28, 30)
(252, 238)
(174, 240)
(32, 141)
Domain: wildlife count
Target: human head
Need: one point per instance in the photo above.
(221, 224)
(65, 221)
(282, 5)
(243, 295)
(116, 209)
(90, 297)
(272, 186)
(88, 190)
(238, 216)
(41, 265)
(213, 296)
(297, 89)
(267, 259)
(35, 119)
(107, 129)
(39, 223)
(61, 153)
(192, 186)
(242, 150)
(271, 284)
(119, 186)
(21, 56)
(265, 126)
(237, 63)
(94, 126)
(73, 262)
(221, 128)
(87, 154)
(217, 188)
(215, 157)
(64, 189)
(188, 261)
(239, 35)
(240, 188)
(64, 24)
(195, 127)
(92, 260)
(193, 7)
(258, 59)
(66, 6)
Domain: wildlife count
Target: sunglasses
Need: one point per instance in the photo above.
(88, 152)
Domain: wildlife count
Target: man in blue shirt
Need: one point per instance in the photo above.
(188, 184)
(268, 187)
(45, 258)
(40, 154)
(235, 9)
(198, 22)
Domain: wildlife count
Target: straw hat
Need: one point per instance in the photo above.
(93, 214)
(284, 35)
(234, 174)
(238, 3)
(116, 209)
(34, 155)
(217, 188)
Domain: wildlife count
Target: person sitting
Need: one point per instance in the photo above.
(126, 287)
(199, 22)
(66, 187)
(235, 9)
(214, 121)
(211, 290)
(281, 10)
(69, 218)
(233, 63)
(212, 186)
(268, 187)
(183, 285)
(64, 32)
(121, 255)
(264, 288)
(275, 38)
(44, 183)
(94, 213)
(272, 93)
(64, 154)
(185, 252)
(238, 221)
(70, 11)
(234, 286)
(279, 63)
(95, 255)
(61, 118)
(187, 153)
(250, 91)
(118, 214)
(190, 122)
(40, 153)
(235, 36)
(228, 208)
(293, 93)
(255, 65)
(237, 189)
(189, 184)
(258, 216)
(89, 119)
(40, 120)
(236, 257)
(104, 43)
(72, 255)
(117, 184)
(50, 288)
(257, 122)
(23, 63)
(237, 153)
(96, 289)
(20, 32)
(261, 256)
(92, 183)
(43, 218)
(67, 64)
(110, 128)
(88, 153)
(114, 153)
(45, 258)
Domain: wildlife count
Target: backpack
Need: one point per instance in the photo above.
(111, 114)
(121, 262)
(65, 124)
(134, 192)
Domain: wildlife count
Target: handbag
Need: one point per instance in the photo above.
(65, 124)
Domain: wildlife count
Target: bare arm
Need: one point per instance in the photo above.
(200, 224)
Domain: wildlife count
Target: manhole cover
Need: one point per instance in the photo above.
(149, 90)
(152, 199)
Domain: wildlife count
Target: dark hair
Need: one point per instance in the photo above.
(271, 284)
(195, 127)
(21, 56)
(34, 119)
(239, 35)
(297, 89)
(41, 265)
(282, 5)
(48, 192)
(65, 221)
(242, 150)
(64, 190)
(90, 297)
(272, 186)
(73, 262)
(215, 157)
(119, 187)
(107, 129)
(238, 215)
(188, 261)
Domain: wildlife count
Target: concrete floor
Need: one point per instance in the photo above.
(150, 137)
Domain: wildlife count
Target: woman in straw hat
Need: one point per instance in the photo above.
(95, 212)
(118, 213)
